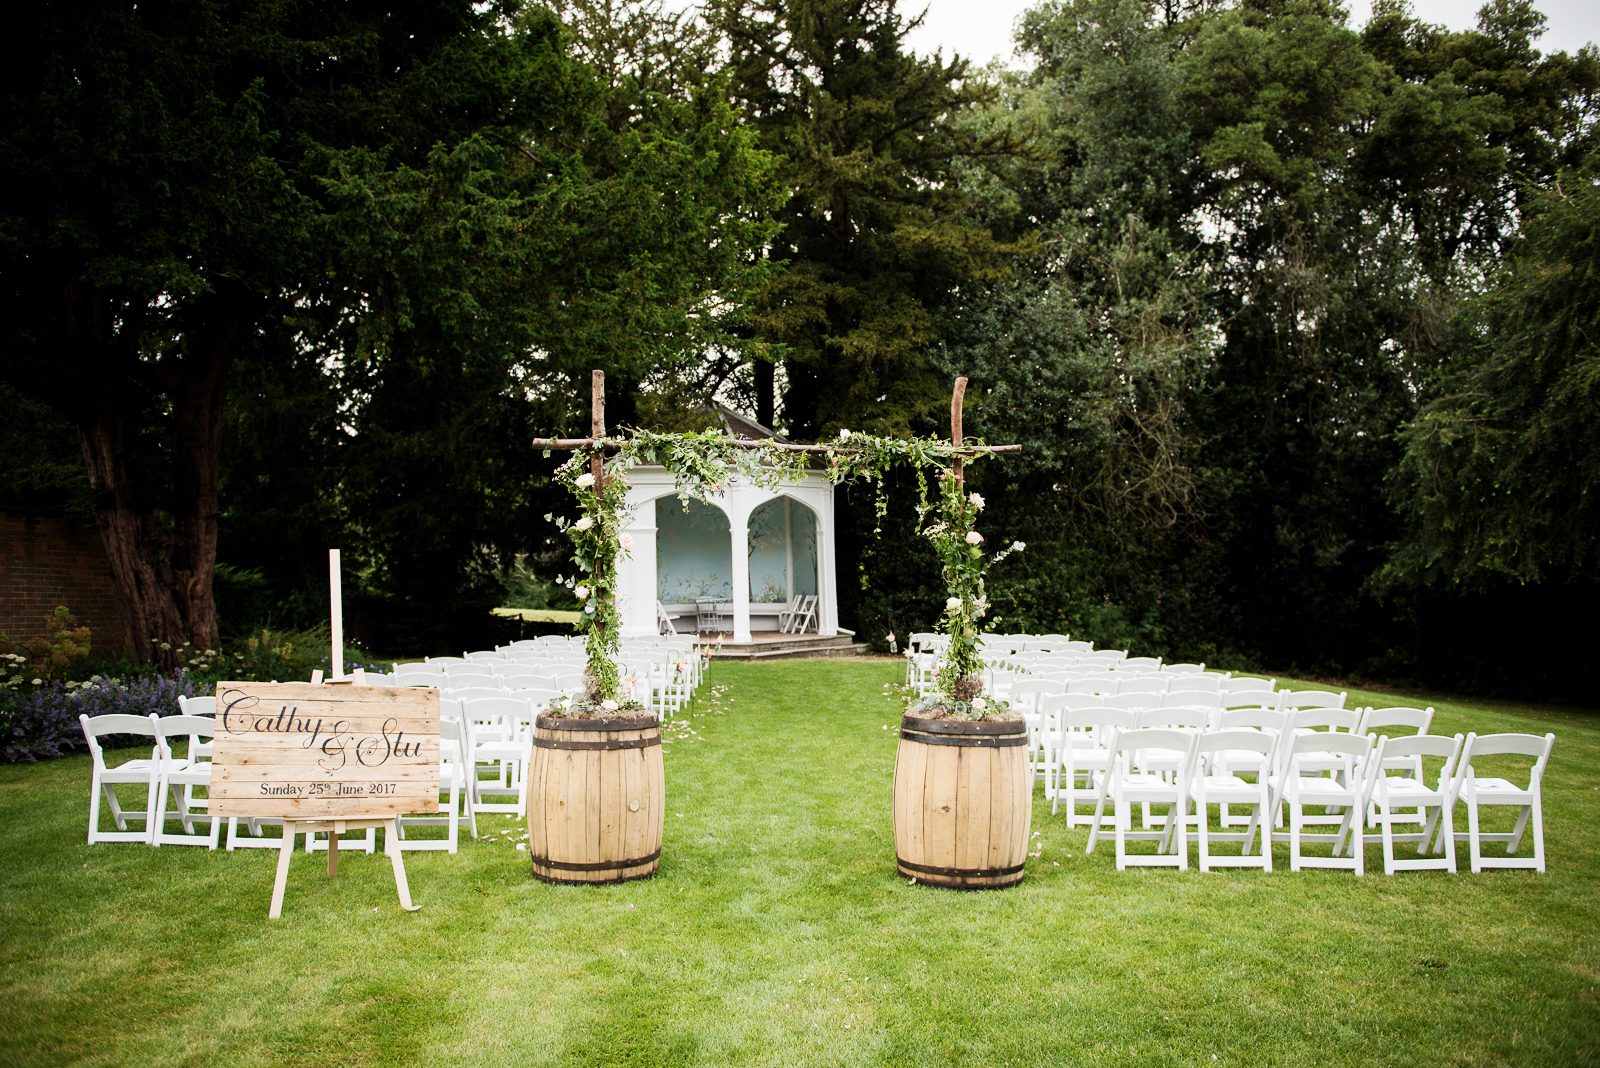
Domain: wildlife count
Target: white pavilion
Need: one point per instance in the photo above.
(747, 554)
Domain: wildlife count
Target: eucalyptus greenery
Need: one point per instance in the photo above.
(949, 521)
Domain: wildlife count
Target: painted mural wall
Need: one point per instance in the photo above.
(694, 556)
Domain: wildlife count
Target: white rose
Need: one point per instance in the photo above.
(974, 538)
(581, 593)
(626, 541)
(1018, 546)
(844, 435)
(977, 500)
(584, 481)
(952, 604)
(979, 704)
(583, 523)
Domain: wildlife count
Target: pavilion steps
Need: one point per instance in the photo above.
(791, 648)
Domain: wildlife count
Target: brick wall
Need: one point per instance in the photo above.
(46, 561)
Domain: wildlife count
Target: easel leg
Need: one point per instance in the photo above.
(284, 853)
(391, 846)
(333, 854)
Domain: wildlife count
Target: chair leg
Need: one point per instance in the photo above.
(1538, 833)
(1294, 836)
(1474, 846)
(94, 807)
(1515, 841)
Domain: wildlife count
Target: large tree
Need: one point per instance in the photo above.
(876, 234)
(168, 169)
(423, 217)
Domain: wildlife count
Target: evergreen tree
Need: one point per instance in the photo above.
(876, 236)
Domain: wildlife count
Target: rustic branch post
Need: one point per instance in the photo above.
(958, 397)
(597, 464)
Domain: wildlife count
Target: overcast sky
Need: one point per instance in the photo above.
(981, 29)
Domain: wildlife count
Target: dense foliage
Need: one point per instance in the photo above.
(1296, 321)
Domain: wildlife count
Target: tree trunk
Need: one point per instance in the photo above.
(198, 397)
(163, 570)
(138, 553)
(766, 393)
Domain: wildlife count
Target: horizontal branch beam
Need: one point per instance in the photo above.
(613, 444)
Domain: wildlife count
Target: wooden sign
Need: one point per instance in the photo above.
(304, 752)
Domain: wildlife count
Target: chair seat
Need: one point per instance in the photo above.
(136, 770)
(1493, 787)
(1226, 788)
(1401, 792)
(1319, 791)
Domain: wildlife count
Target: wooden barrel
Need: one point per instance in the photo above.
(963, 802)
(596, 799)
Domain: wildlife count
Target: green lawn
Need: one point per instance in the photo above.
(777, 933)
(539, 615)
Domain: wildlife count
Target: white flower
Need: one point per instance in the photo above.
(609, 705)
(974, 538)
(910, 654)
(584, 481)
(1018, 546)
(581, 593)
(626, 541)
(979, 704)
(889, 637)
(583, 523)
(844, 435)
(952, 604)
(977, 500)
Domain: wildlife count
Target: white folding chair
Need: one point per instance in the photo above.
(501, 732)
(1126, 783)
(788, 614)
(806, 616)
(1210, 685)
(452, 783)
(179, 776)
(135, 771)
(1394, 722)
(1262, 720)
(1478, 791)
(1153, 685)
(1083, 753)
(197, 706)
(1222, 759)
(1396, 798)
(1303, 787)
(1298, 699)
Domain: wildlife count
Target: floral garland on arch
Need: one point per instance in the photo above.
(949, 522)
(702, 465)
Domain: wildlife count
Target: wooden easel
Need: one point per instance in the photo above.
(334, 828)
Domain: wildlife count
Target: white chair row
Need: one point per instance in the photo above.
(1360, 782)
(179, 765)
(175, 767)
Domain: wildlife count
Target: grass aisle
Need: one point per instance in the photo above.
(777, 933)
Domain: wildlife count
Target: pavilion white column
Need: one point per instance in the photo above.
(636, 575)
(739, 539)
(788, 548)
(827, 568)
